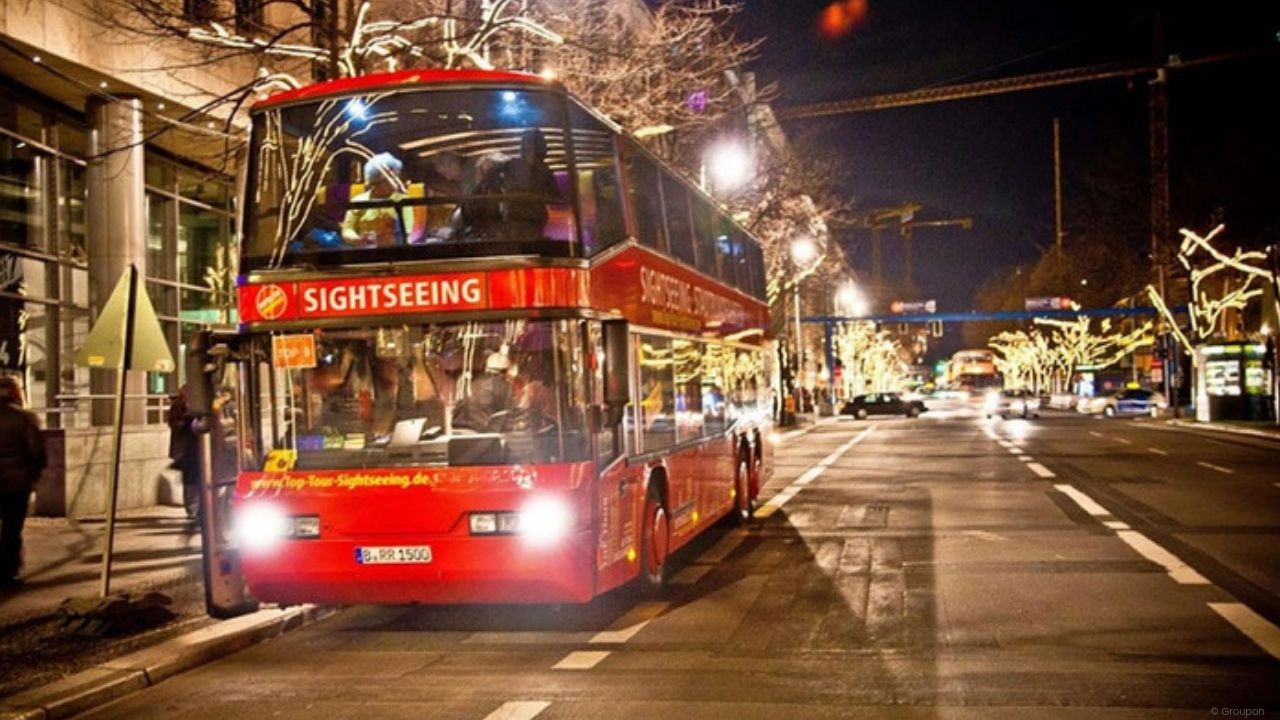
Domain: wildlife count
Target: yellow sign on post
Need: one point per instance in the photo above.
(126, 337)
(104, 348)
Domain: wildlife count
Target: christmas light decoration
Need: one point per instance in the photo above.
(1206, 308)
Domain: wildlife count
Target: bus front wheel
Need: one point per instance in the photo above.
(655, 543)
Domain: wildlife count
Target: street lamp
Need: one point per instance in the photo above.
(730, 165)
(850, 300)
(803, 252)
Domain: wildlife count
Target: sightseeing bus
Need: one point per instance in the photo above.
(490, 349)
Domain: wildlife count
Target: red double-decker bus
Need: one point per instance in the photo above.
(490, 349)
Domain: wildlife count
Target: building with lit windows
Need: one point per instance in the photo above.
(88, 184)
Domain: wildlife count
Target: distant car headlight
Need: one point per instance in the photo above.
(992, 400)
(545, 520)
(261, 526)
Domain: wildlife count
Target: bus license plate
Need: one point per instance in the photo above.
(394, 555)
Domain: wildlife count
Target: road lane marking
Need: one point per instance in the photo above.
(1157, 451)
(518, 710)
(1095, 433)
(1253, 625)
(1015, 450)
(1178, 570)
(632, 622)
(1219, 468)
(783, 496)
(1122, 440)
(1041, 470)
(1084, 501)
(1025, 458)
(984, 535)
(581, 660)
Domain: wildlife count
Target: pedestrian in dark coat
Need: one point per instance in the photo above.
(22, 459)
(184, 450)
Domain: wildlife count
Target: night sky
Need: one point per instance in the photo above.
(991, 159)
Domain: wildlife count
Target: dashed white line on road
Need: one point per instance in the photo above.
(1157, 451)
(1041, 470)
(1084, 501)
(1219, 468)
(518, 710)
(1015, 450)
(1122, 440)
(1095, 433)
(581, 660)
(1178, 570)
(626, 627)
(1256, 627)
(1025, 458)
(777, 501)
(1116, 525)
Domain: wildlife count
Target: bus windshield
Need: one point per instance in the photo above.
(477, 393)
(388, 176)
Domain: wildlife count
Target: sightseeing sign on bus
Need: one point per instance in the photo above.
(490, 349)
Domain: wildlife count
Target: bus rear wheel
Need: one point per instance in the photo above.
(655, 544)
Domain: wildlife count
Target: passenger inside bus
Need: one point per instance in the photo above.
(529, 177)
(443, 181)
(481, 215)
(379, 226)
(490, 394)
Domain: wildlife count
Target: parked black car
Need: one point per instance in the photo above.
(882, 404)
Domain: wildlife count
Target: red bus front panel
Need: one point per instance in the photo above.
(416, 508)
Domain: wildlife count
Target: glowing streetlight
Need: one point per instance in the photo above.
(730, 165)
(850, 300)
(803, 250)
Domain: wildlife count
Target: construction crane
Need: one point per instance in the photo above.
(901, 217)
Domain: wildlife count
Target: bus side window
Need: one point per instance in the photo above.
(599, 199)
(657, 394)
(704, 233)
(675, 210)
(645, 198)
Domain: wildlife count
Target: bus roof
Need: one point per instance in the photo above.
(402, 79)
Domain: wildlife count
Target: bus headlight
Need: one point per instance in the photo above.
(261, 526)
(545, 520)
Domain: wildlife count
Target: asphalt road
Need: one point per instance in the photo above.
(938, 567)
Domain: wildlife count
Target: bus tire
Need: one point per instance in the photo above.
(655, 543)
(744, 505)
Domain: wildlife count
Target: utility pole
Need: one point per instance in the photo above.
(1057, 192)
(1158, 105)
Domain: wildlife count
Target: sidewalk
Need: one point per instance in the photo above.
(1266, 430)
(153, 546)
(47, 673)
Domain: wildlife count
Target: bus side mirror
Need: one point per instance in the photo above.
(617, 369)
(199, 379)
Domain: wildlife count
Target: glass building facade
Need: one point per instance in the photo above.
(45, 311)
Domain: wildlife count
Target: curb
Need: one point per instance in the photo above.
(136, 671)
(1229, 429)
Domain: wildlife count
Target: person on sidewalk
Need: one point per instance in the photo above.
(22, 458)
(184, 450)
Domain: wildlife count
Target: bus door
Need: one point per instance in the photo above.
(211, 376)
